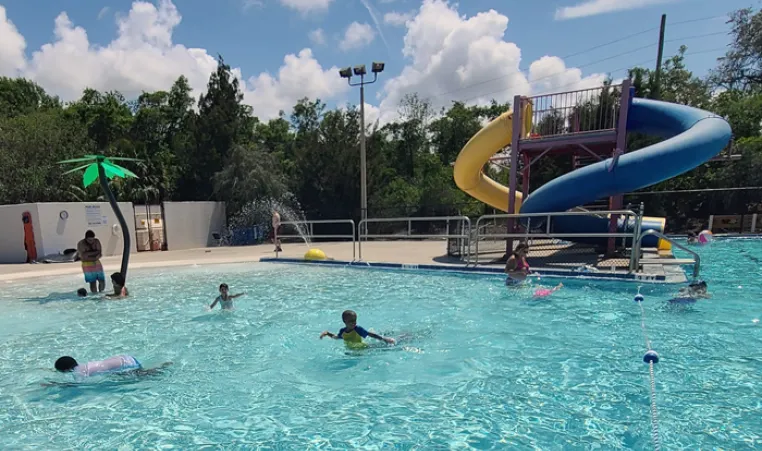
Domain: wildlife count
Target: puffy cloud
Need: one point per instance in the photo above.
(596, 7)
(466, 58)
(307, 6)
(317, 37)
(12, 46)
(397, 19)
(143, 58)
(356, 36)
(300, 76)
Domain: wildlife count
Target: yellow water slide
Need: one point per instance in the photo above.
(468, 170)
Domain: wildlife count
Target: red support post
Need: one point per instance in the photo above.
(512, 182)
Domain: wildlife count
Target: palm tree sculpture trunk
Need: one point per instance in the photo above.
(120, 217)
(102, 168)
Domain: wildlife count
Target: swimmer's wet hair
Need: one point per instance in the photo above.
(82, 292)
(66, 364)
(224, 285)
(349, 315)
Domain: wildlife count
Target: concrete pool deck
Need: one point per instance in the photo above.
(432, 254)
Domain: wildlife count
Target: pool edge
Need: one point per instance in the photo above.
(460, 269)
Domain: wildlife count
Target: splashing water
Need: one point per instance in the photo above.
(253, 222)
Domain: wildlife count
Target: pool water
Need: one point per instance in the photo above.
(480, 366)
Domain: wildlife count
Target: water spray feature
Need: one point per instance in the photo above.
(252, 223)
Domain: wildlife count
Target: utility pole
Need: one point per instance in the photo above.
(656, 94)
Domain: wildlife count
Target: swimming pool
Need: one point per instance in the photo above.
(483, 368)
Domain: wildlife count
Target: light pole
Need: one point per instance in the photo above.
(360, 71)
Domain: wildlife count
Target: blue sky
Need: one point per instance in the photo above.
(256, 35)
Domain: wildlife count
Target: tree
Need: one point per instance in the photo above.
(741, 67)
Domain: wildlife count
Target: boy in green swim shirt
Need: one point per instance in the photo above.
(352, 334)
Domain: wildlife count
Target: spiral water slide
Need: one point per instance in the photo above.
(690, 137)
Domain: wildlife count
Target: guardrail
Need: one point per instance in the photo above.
(311, 235)
(547, 217)
(696, 256)
(363, 227)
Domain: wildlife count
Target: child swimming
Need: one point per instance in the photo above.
(225, 299)
(542, 292)
(689, 294)
(120, 291)
(352, 334)
(120, 364)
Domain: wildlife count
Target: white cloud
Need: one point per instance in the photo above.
(268, 95)
(453, 57)
(397, 19)
(307, 6)
(356, 36)
(102, 13)
(249, 4)
(595, 7)
(12, 46)
(143, 58)
(317, 36)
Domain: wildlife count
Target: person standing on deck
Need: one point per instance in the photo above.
(90, 253)
(276, 231)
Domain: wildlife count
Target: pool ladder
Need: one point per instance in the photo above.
(696, 257)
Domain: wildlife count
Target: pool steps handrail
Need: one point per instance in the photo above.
(548, 234)
(696, 256)
(363, 230)
(311, 235)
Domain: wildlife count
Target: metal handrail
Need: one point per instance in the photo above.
(310, 223)
(696, 256)
(548, 234)
(465, 236)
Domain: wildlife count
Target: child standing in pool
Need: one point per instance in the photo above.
(352, 334)
(517, 267)
(225, 298)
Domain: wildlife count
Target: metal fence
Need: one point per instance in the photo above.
(580, 111)
(306, 229)
(408, 234)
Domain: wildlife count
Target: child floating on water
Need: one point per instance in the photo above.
(225, 299)
(351, 333)
(120, 364)
(542, 292)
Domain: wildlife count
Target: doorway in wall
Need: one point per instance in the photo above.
(149, 228)
(29, 244)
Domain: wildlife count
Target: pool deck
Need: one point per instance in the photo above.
(429, 255)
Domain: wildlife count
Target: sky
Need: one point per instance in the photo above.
(284, 50)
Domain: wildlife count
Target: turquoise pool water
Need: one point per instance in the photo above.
(483, 367)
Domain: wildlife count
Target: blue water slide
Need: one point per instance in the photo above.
(691, 137)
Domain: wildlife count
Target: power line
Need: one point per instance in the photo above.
(701, 19)
(695, 36)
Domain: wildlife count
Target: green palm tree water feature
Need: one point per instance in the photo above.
(102, 168)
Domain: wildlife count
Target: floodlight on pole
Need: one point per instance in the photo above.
(360, 70)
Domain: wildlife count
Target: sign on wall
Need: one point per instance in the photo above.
(94, 217)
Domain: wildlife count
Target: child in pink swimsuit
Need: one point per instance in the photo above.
(517, 267)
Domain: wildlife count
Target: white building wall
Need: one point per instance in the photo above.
(58, 234)
(190, 224)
